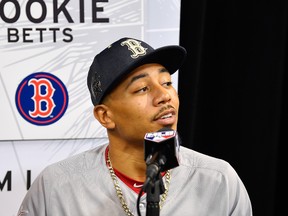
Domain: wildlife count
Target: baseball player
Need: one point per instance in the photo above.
(132, 94)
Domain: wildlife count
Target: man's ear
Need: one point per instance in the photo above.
(103, 114)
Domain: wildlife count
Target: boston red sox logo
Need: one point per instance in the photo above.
(41, 98)
(38, 97)
(135, 47)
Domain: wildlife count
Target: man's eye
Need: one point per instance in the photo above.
(168, 83)
(144, 89)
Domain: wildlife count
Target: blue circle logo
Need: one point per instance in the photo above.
(41, 98)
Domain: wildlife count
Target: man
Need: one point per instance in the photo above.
(132, 93)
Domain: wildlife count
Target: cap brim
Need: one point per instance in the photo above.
(171, 57)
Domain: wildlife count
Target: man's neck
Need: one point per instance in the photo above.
(129, 161)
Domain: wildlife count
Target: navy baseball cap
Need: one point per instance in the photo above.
(122, 57)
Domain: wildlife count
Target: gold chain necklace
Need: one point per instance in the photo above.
(120, 194)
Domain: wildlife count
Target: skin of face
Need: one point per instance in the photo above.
(143, 102)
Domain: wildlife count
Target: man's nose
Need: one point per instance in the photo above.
(161, 95)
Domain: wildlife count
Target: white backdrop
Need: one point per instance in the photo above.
(62, 44)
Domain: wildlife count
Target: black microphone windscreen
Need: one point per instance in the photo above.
(164, 142)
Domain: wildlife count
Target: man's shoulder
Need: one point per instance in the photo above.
(197, 160)
(78, 163)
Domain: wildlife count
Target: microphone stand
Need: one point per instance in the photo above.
(153, 198)
(154, 188)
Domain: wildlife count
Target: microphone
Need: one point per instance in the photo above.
(161, 151)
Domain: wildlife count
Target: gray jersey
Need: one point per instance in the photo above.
(82, 186)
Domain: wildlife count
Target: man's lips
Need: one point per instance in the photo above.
(168, 113)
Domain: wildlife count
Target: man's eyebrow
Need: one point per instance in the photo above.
(137, 77)
(163, 70)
